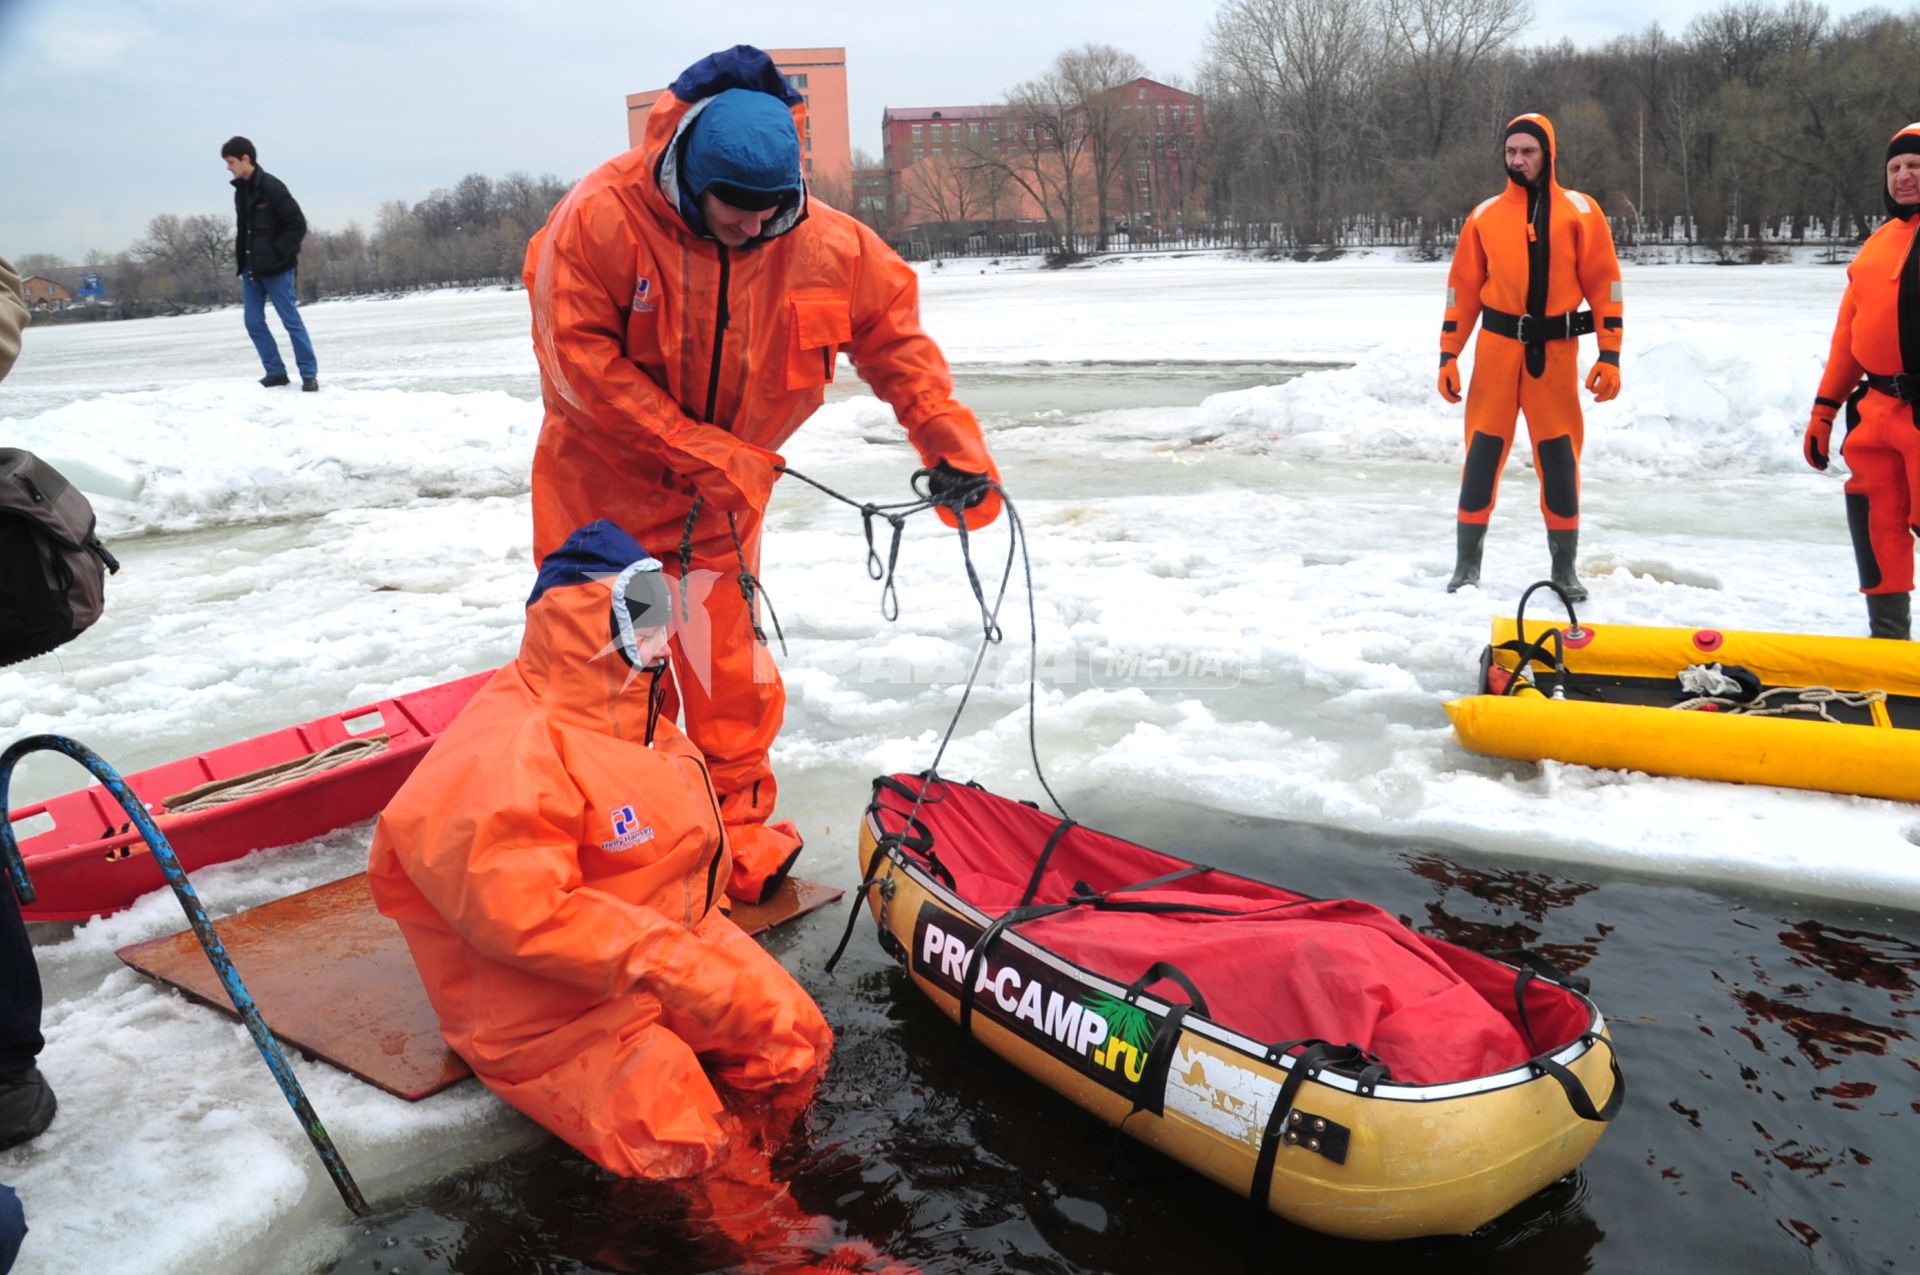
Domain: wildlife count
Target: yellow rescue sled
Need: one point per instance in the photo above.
(1829, 714)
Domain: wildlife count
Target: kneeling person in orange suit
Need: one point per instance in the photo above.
(1524, 261)
(690, 303)
(1873, 369)
(557, 864)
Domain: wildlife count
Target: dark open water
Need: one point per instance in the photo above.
(1772, 1121)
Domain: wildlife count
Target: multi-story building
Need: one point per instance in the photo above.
(1169, 135)
(979, 164)
(826, 151)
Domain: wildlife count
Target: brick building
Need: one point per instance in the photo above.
(819, 76)
(43, 294)
(946, 164)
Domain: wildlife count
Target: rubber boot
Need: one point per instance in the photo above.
(27, 1107)
(1470, 538)
(1890, 615)
(1564, 546)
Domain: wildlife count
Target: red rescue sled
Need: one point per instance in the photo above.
(1316, 1055)
(278, 789)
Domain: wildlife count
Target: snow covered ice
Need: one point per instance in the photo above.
(1241, 607)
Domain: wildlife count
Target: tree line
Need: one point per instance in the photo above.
(1755, 115)
(1755, 121)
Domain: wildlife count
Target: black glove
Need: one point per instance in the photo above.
(955, 488)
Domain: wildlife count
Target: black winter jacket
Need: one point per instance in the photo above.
(269, 225)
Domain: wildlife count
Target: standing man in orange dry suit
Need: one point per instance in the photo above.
(689, 303)
(557, 863)
(1874, 368)
(1525, 260)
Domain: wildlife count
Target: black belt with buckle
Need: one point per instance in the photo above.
(1904, 386)
(1536, 329)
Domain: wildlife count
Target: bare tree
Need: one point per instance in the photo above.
(39, 263)
(951, 186)
(1046, 153)
(1441, 46)
(1306, 66)
(1093, 75)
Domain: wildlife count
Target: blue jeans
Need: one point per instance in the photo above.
(13, 1228)
(254, 295)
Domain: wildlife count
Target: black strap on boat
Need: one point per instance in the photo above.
(1040, 864)
(868, 881)
(1165, 970)
(1520, 1004)
(1577, 1096)
(922, 844)
(1544, 968)
(1150, 1093)
(988, 937)
(1535, 329)
(1316, 1058)
(1191, 870)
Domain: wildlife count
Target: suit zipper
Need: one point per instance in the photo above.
(720, 318)
(719, 826)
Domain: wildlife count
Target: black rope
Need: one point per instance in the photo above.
(959, 500)
(750, 585)
(896, 515)
(686, 557)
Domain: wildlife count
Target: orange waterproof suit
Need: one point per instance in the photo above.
(1877, 338)
(1525, 260)
(557, 863)
(672, 367)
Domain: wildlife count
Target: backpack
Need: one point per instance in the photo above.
(53, 568)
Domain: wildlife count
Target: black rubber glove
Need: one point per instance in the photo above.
(955, 488)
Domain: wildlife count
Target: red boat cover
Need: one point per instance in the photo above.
(1272, 964)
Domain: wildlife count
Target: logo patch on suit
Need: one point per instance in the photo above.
(643, 298)
(628, 831)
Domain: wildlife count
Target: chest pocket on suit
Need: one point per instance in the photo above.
(819, 322)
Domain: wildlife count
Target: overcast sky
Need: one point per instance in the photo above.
(114, 110)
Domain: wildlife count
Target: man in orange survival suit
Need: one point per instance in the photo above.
(1877, 338)
(1525, 260)
(557, 863)
(689, 302)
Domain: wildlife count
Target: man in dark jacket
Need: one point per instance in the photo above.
(268, 229)
(27, 1104)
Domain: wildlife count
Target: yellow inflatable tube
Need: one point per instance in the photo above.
(1870, 760)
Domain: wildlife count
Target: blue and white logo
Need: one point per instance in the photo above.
(628, 831)
(643, 302)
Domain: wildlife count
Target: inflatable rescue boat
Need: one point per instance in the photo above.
(1830, 714)
(1313, 1055)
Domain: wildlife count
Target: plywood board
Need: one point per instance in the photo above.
(334, 978)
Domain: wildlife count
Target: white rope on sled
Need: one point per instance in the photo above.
(222, 791)
(1811, 701)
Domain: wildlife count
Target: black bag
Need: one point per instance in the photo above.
(53, 568)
